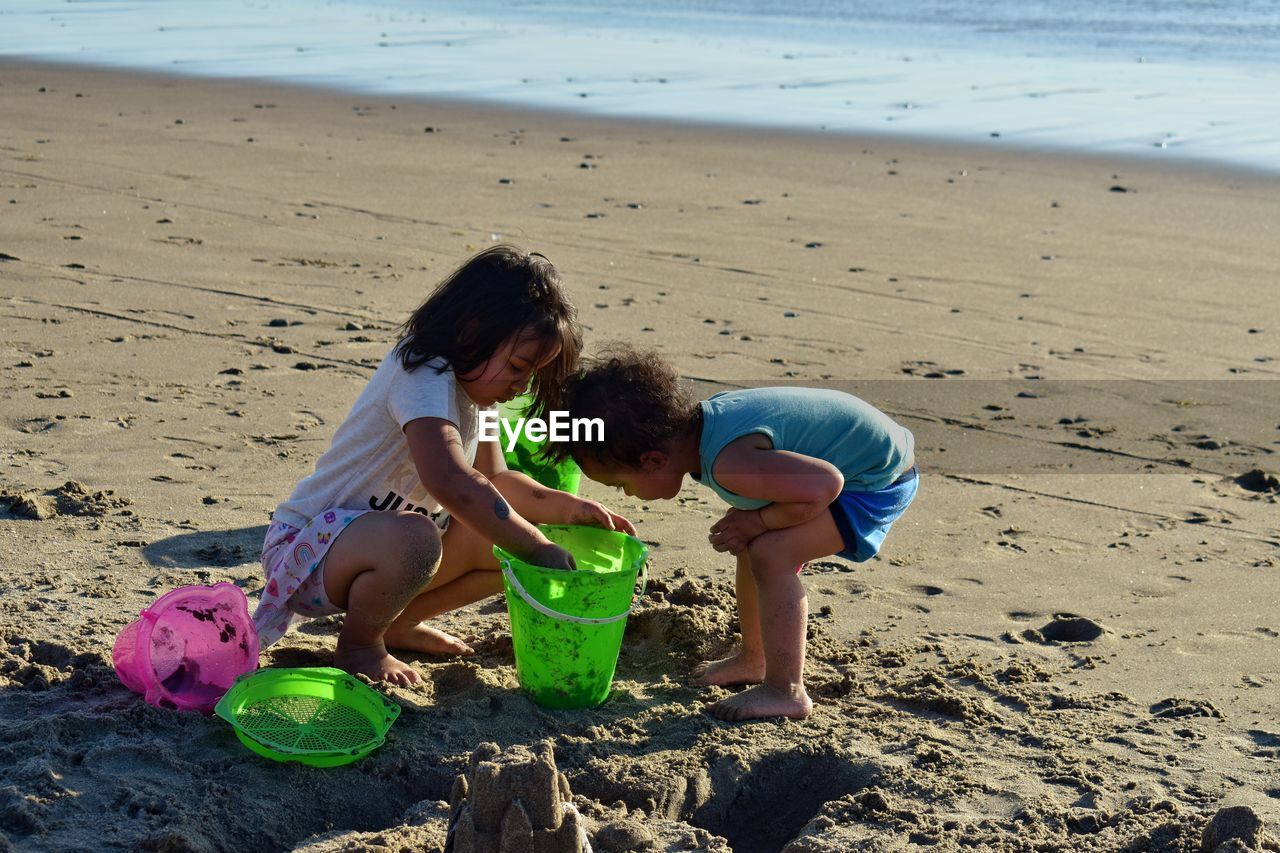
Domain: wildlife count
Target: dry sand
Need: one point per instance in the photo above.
(1071, 641)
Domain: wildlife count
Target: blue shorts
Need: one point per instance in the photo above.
(864, 518)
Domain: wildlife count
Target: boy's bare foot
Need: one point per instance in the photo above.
(737, 668)
(374, 662)
(763, 701)
(420, 638)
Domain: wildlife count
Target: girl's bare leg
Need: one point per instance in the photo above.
(373, 570)
(468, 572)
(783, 611)
(745, 664)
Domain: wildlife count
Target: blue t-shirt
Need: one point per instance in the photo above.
(864, 443)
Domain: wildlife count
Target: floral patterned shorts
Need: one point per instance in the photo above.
(293, 562)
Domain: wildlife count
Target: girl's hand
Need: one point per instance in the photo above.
(734, 532)
(595, 514)
(550, 556)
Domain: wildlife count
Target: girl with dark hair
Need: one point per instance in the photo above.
(398, 521)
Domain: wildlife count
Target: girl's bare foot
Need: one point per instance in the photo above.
(763, 701)
(737, 668)
(420, 638)
(374, 662)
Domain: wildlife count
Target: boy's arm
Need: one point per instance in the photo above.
(798, 487)
(469, 496)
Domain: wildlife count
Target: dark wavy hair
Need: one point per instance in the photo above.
(492, 296)
(640, 399)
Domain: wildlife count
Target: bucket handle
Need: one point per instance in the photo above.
(565, 617)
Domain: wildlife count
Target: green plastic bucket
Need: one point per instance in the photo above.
(565, 476)
(567, 627)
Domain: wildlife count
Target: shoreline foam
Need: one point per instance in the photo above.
(940, 145)
(995, 89)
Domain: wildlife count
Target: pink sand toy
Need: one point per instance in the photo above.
(188, 647)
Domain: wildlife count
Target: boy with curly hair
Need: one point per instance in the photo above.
(807, 473)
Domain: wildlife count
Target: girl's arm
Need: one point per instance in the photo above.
(539, 504)
(470, 497)
(798, 487)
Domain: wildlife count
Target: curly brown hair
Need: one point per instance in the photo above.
(490, 297)
(639, 398)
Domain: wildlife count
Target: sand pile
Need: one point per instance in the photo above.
(71, 498)
(514, 801)
(913, 743)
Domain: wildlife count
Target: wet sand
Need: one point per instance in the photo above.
(1069, 641)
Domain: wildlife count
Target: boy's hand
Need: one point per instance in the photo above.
(736, 530)
(595, 514)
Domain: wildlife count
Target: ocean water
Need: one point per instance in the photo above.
(1165, 80)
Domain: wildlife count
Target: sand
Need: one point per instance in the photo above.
(1070, 642)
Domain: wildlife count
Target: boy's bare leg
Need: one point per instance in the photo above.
(468, 572)
(783, 609)
(373, 570)
(745, 664)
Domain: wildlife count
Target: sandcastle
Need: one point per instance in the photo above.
(514, 802)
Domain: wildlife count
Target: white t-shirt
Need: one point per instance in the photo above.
(368, 465)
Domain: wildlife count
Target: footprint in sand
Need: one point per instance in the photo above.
(1066, 628)
(305, 420)
(455, 679)
(929, 370)
(1258, 480)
